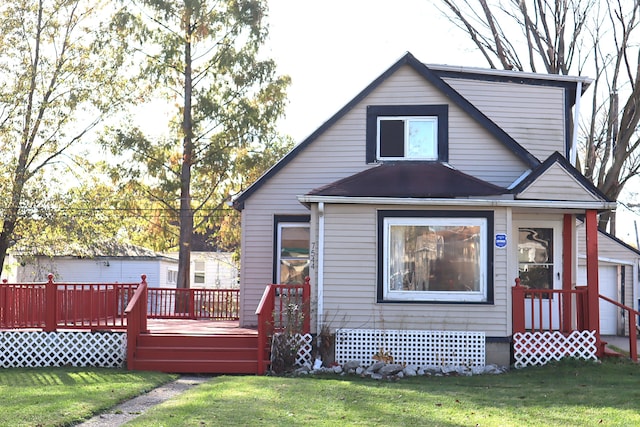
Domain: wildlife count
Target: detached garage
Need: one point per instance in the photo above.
(618, 279)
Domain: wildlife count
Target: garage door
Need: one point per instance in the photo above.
(608, 284)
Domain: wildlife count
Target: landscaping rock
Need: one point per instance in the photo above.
(376, 366)
(351, 365)
(390, 369)
(410, 371)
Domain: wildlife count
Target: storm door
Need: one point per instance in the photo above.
(540, 267)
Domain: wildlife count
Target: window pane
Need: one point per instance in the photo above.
(536, 276)
(294, 242)
(435, 258)
(198, 277)
(391, 138)
(422, 139)
(535, 257)
(293, 253)
(293, 271)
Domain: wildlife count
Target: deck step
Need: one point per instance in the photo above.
(212, 354)
(198, 366)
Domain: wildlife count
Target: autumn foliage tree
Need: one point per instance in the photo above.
(59, 79)
(592, 37)
(202, 56)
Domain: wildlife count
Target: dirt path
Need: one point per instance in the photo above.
(135, 407)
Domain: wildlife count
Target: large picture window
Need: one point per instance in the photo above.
(435, 256)
(292, 250)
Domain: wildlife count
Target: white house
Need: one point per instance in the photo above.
(104, 262)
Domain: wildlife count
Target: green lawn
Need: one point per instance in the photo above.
(63, 396)
(566, 394)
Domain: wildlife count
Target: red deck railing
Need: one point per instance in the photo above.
(136, 315)
(279, 306)
(631, 319)
(541, 310)
(547, 309)
(216, 304)
(51, 306)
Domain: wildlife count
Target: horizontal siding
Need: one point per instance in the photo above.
(607, 247)
(92, 270)
(546, 187)
(350, 282)
(532, 115)
(340, 152)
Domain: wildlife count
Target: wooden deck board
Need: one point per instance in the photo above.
(198, 327)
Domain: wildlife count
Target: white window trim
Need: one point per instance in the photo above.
(281, 225)
(407, 120)
(437, 296)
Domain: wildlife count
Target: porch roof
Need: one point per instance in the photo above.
(410, 179)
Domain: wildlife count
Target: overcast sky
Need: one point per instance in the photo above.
(332, 49)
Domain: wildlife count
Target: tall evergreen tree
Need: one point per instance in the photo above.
(203, 56)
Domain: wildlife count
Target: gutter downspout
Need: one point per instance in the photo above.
(574, 135)
(320, 283)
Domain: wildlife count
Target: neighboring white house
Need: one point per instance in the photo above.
(209, 270)
(102, 263)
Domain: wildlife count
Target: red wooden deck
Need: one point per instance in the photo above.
(197, 327)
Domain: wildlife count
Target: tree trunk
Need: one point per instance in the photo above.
(186, 211)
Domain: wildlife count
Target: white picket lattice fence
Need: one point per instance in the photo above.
(33, 349)
(414, 347)
(540, 348)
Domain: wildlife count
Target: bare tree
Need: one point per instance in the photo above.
(572, 37)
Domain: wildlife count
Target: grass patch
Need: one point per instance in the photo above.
(570, 393)
(64, 396)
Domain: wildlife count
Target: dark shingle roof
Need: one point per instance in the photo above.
(410, 179)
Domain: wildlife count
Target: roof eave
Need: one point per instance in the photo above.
(476, 202)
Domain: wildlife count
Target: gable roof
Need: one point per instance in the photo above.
(410, 179)
(431, 77)
(539, 181)
(107, 248)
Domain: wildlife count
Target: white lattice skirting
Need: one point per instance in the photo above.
(420, 348)
(539, 348)
(40, 349)
(305, 349)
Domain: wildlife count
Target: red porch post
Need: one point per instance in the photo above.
(593, 289)
(568, 227)
(51, 305)
(517, 310)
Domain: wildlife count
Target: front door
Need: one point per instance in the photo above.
(540, 267)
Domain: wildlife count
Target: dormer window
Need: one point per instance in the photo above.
(414, 138)
(407, 132)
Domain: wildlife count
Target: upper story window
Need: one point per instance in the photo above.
(407, 132)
